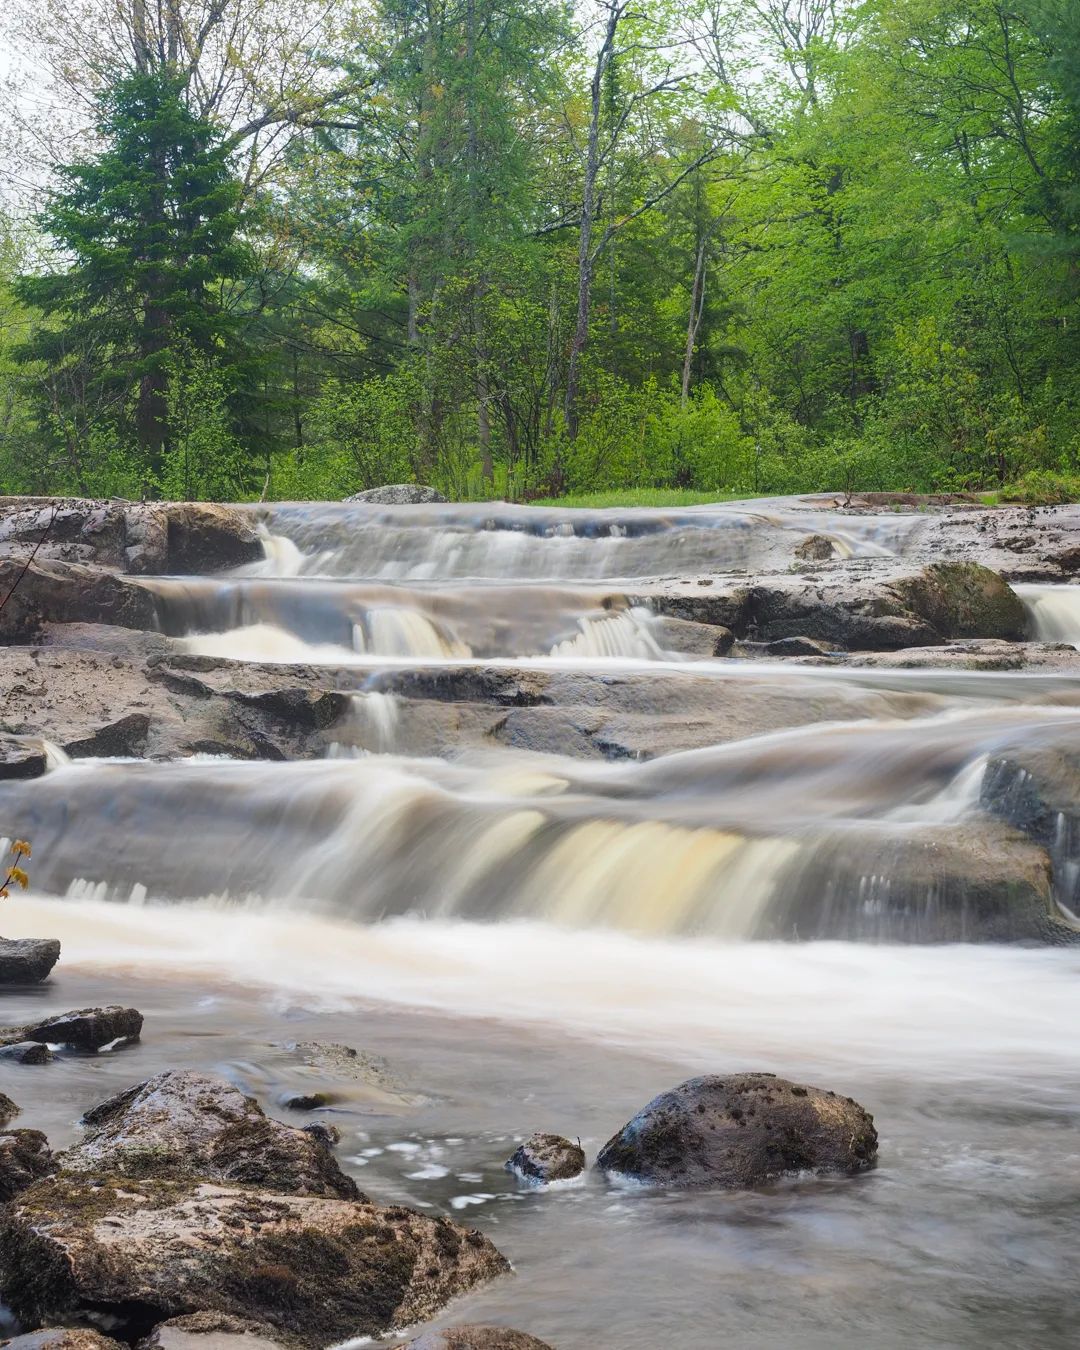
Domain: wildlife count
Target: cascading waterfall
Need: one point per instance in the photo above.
(1053, 612)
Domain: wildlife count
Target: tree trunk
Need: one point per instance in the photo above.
(586, 257)
(697, 308)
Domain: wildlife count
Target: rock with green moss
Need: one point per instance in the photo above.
(318, 1271)
(739, 1130)
(182, 1125)
(965, 600)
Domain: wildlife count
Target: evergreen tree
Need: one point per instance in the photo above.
(150, 229)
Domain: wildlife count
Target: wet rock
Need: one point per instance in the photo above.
(207, 537)
(1036, 789)
(182, 1124)
(740, 1130)
(329, 1135)
(88, 1028)
(59, 592)
(476, 1338)
(815, 548)
(974, 880)
(318, 1271)
(307, 1101)
(8, 1110)
(398, 494)
(62, 1338)
(25, 1052)
(25, 1157)
(547, 1157)
(20, 758)
(210, 1331)
(965, 600)
(124, 738)
(797, 646)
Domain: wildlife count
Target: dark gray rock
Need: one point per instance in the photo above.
(398, 494)
(547, 1157)
(8, 1110)
(186, 1125)
(27, 960)
(208, 537)
(741, 1130)
(317, 1270)
(88, 1028)
(25, 1052)
(25, 1157)
(476, 1338)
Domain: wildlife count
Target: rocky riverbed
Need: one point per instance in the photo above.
(416, 755)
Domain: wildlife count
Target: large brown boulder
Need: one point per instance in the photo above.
(319, 1271)
(740, 1130)
(182, 1125)
(965, 600)
(208, 537)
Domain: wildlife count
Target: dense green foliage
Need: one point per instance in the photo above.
(522, 249)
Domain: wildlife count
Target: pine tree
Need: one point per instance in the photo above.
(150, 229)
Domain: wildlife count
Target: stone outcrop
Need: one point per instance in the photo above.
(740, 1130)
(317, 1270)
(182, 1125)
(27, 960)
(544, 1158)
(25, 1052)
(8, 1110)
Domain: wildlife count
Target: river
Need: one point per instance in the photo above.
(525, 938)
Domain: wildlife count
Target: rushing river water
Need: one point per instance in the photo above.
(538, 941)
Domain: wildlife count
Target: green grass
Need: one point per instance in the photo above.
(641, 497)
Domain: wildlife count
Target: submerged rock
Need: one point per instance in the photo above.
(27, 960)
(476, 1338)
(185, 1125)
(25, 1157)
(547, 1157)
(62, 1338)
(210, 1331)
(84, 1029)
(25, 1052)
(740, 1130)
(399, 494)
(319, 1271)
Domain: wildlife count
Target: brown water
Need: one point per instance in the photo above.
(536, 942)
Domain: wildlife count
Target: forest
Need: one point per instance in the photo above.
(524, 248)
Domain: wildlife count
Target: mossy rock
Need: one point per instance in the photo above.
(965, 600)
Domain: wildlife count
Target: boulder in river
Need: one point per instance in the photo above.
(25, 1157)
(84, 1029)
(209, 537)
(184, 1125)
(8, 1110)
(738, 1130)
(476, 1338)
(547, 1157)
(27, 960)
(319, 1271)
(399, 494)
(25, 1052)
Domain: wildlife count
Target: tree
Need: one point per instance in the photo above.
(148, 238)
